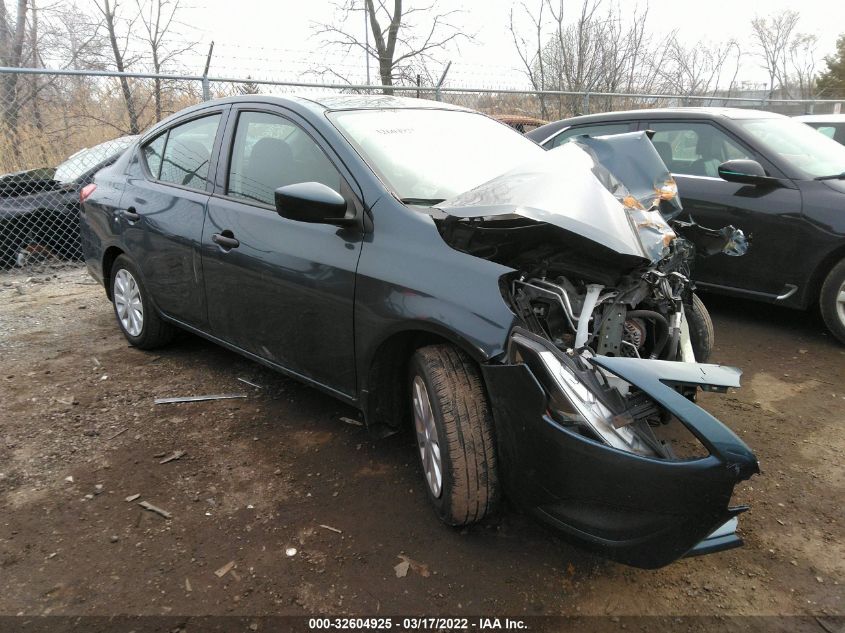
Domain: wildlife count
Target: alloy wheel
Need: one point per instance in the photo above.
(127, 302)
(428, 442)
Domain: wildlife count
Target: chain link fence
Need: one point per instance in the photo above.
(58, 128)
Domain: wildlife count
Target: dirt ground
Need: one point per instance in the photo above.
(305, 513)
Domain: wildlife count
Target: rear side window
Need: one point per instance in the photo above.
(187, 153)
(269, 152)
(589, 130)
(153, 151)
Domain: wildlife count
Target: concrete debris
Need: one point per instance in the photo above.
(157, 510)
(173, 457)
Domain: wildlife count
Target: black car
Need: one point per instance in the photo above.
(525, 309)
(39, 208)
(771, 176)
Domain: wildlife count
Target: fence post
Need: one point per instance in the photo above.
(206, 91)
(586, 103)
(440, 83)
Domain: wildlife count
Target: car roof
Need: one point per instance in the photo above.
(339, 102)
(542, 133)
(829, 118)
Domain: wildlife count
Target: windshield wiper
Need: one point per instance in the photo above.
(840, 176)
(422, 201)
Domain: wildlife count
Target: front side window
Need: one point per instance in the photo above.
(589, 130)
(694, 149)
(269, 152)
(187, 154)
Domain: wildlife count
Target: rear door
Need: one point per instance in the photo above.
(693, 150)
(280, 289)
(163, 209)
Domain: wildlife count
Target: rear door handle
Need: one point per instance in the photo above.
(225, 241)
(130, 214)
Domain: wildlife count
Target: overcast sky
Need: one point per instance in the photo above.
(268, 38)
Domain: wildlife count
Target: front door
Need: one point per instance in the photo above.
(277, 288)
(693, 151)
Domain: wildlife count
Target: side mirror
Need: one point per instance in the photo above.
(312, 202)
(745, 171)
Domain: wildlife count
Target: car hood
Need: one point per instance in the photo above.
(610, 190)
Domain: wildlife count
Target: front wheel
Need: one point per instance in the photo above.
(137, 318)
(454, 434)
(701, 333)
(832, 301)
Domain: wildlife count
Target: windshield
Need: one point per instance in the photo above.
(88, 158)
(809, 153)
(426, 156)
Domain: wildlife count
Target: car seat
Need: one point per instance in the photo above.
(708, 150)
(266, 169)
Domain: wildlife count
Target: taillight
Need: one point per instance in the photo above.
(86, 192)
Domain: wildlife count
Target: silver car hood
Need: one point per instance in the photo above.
(569, 187)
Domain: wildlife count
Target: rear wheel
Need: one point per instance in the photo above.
(702, 336)
(832, 301)
(454, 434)
(137, 318)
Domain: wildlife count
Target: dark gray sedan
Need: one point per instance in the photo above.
(528, 313)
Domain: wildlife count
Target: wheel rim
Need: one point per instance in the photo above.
(127, 302)
(840, 303)
(427, 441)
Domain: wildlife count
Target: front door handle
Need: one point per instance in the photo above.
(130, 214)
(225, 241)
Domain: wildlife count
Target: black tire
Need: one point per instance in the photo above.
(154, 331)
(464, 423)
(702, 336)
(833, 311)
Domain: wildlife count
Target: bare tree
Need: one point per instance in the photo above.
(159, 18)
(772, 37)
(531, 55)
(599, 50)
(109, 10)
(400, 46)
(697, 70)
(802, 63)
(12, 38)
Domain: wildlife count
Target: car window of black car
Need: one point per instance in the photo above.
(269, 152)
(589, 130)
(694, 149)
(187, 152)
(153, 151)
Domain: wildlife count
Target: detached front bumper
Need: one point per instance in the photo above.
(642, 511)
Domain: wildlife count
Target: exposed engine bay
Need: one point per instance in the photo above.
(602, 269)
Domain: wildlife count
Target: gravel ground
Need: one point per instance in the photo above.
(279, 506)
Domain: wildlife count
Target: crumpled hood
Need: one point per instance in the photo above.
(606, 189)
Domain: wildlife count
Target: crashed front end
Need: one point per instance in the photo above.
(592, 463)
(597, 429)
